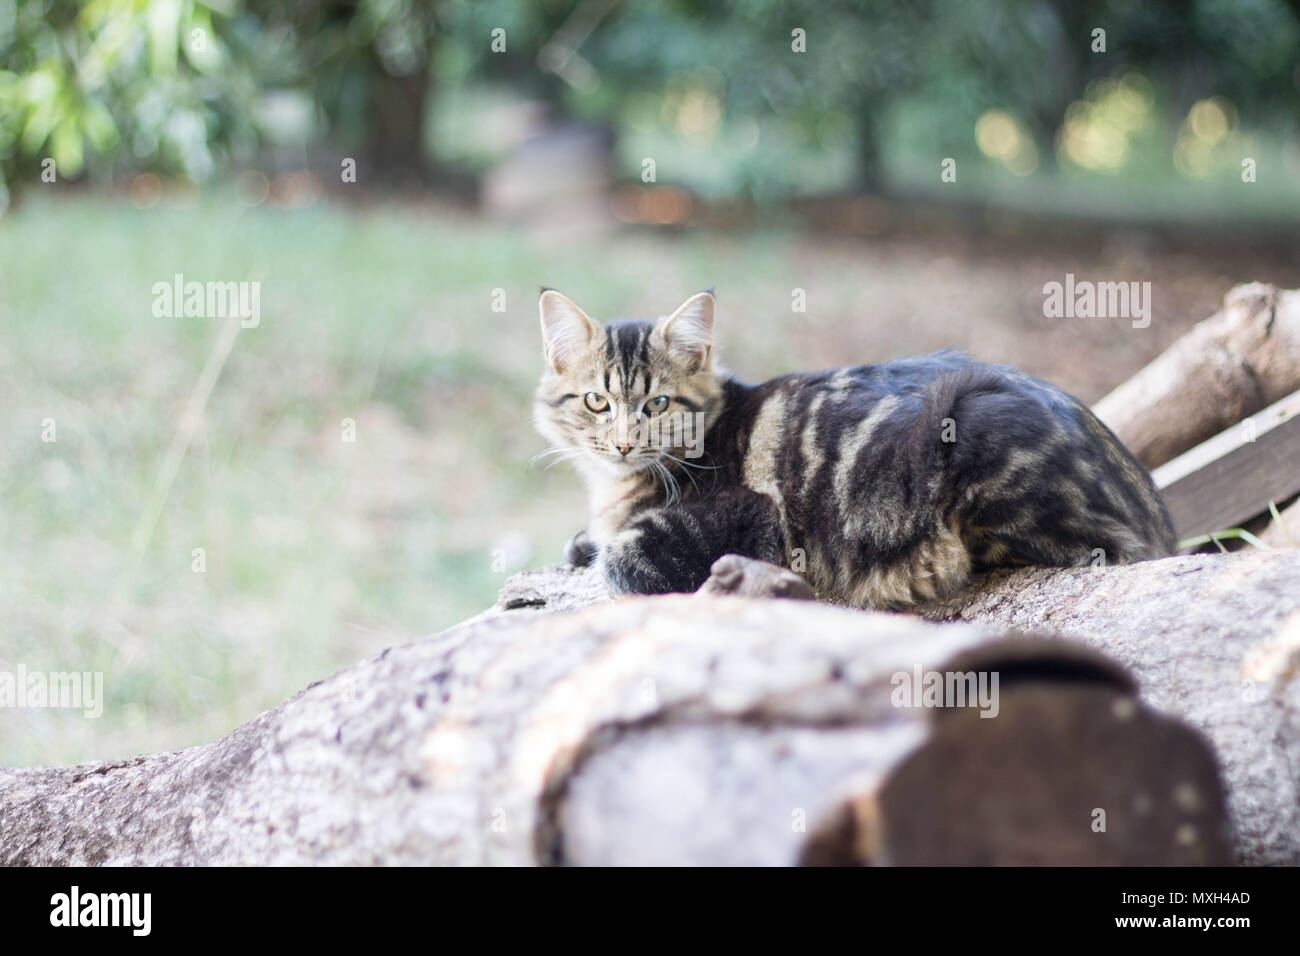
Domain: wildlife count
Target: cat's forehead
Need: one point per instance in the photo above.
(627, 361)
(627, 342)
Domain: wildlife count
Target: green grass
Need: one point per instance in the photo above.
(318, 552)
(1228, 534)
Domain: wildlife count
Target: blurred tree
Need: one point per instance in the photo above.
(367, 67)
(182, 86)
(948, 60)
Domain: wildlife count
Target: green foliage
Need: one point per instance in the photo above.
(888, 84)
(193, 88)
(158, 82)
(180, 86)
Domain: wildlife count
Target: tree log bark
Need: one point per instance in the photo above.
(1227, 367)
(695, 728)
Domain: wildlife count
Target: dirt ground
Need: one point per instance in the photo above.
(903, 295)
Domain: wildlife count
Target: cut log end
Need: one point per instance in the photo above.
(1068, 772)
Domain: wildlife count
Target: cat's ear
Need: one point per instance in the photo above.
(567, 332)
(688, 332)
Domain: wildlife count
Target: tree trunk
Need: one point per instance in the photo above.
(725, 729)
(395, 133)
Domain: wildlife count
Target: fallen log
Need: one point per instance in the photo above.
(1065, 747)
(728, 729)
(1227, 367)
(1068, 770)
(1213, 639)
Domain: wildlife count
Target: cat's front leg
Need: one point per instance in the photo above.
(731, 543)
(581, 550)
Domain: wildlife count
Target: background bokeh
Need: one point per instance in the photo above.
(499, 146)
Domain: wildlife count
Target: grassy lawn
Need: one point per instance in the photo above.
(319, 551)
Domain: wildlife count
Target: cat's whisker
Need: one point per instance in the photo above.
(690, 477)
(672, 490)
(690, 464)
(564, 451)
(558, 460)
(659, 474)
(676, 493)
(677, 489)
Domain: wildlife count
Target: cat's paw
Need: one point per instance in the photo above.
(746, 577)
(581, 551)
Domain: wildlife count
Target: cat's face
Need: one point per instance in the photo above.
(620, 397)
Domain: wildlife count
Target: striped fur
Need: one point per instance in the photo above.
(883, 485)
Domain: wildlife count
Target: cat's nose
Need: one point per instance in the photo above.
(623, 449)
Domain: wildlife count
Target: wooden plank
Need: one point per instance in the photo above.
(1233, 476)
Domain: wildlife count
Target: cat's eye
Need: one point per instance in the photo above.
(597, 403)
(657, 404)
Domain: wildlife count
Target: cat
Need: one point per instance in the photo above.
(881, 486)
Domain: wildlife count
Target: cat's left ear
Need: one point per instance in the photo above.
(688, 332)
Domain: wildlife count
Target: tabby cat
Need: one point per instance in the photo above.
(882, 485)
